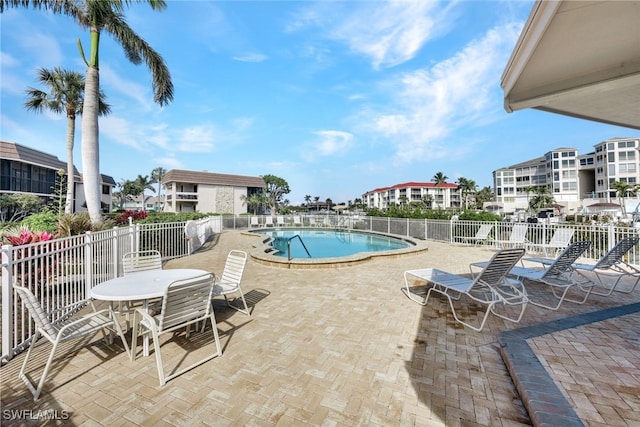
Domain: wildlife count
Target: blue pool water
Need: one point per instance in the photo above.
(330, 243)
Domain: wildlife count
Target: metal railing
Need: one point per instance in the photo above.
(289, 246)
(61, 272)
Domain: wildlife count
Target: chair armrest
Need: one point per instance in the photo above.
(79, 304)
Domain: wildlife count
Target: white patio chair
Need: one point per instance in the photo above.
(559, 241)
(133, 262)
(517, 238)
(254, 221)
(482, 235)
(558, 276)
(611, 267)
(186, 302)
(268, 221)
(229, 282)
(70, 328)
(490, 287)
(297, 220)
(280, 221)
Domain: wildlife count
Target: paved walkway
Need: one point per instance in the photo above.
(344, 347)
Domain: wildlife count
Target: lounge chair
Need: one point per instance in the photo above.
(255, 221)
(558, 275)
(280, 221)
(297, 221)
(490, 287)
(559, 241)
(517, 238)
(610, 266)
(74, 327)
(482, 235)
(268, 221)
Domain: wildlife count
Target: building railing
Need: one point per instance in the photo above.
(61, 272)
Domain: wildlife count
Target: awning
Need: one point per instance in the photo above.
(578, 58)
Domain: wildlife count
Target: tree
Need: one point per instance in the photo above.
(485, 194)
(622, 190)
(156, 178)
(307, 200)
(14, 207)
(329, 203)
(65, 95)
(97, 16)
(276, 188)
(254, 202)
(439, 178)
(316, 200)
(466, 187)
(541, 198)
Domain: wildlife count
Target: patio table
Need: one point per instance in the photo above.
(141, 286)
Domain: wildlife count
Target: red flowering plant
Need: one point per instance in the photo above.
(123, 218)
(37, 269)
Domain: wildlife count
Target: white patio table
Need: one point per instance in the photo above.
(141, 286)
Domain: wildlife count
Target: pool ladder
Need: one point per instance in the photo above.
(289, 246)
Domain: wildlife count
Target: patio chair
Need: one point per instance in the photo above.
(517, 238)
(268, 221)
(229, 283)
(482, 235)
(280, 221)
(133, 262)
(490, 287)
(69, 328)
(186, 302)
(558, 276)
(559, 241)
(610, 266)
(255, 221)
(297, 221)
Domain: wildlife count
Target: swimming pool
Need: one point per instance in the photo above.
(328, 243)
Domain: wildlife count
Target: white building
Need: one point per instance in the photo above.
(206, 192)
(436, 196)
(575, 181)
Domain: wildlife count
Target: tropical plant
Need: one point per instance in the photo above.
(98, 16)
(15, 207)
(466, 186)
(439, 178)
(65, 95)
(542, 198)
(623, 189)
(254, 201)
(485, 194)
(156, 178)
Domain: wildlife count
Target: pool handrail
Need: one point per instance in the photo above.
(289, 246)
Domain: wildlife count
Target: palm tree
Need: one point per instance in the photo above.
(541, 199)
(96, 16)
(65, 95)
(316, 199)
(144, 183)
(156, 178)
(466, 186)
(439, 178)
(307, 200)
(622, 190)
(484, 195)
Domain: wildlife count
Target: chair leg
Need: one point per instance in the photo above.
(244, 302)
(156, 348)
(35, 391)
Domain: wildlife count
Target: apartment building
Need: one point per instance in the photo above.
(575, 181)
(24, 170)
(436, 196)
(206, 192)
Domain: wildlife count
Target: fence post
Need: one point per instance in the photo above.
(88, 263)
(7, 302)
(611, 236)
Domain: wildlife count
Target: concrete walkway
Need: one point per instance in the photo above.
(345, 347)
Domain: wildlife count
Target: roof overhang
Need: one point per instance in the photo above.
(580, 59)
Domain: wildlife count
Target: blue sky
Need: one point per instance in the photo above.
(336, 97)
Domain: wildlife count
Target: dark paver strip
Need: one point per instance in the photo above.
(541, 396)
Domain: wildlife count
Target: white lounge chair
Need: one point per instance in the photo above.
(71, 328)
(268, 221)
(255, 221)
(185, 303)
(482, 235)
(611, 267)
(297, 220)
(280, 221)
(490, 287)
(559, 241)
(558, 276)
(517, 238)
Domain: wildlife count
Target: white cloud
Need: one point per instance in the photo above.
(427, 105)
(330, 143)
(250, 57)
(389, 32)
(196, 139)
(128, 88)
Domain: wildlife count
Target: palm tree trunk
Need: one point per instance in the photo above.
(90, 145)
(71, 127)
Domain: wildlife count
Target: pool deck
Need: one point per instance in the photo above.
(345, 347)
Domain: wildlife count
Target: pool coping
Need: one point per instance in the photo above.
(541, 396)
(261, 251)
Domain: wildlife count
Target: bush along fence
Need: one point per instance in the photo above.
(60, 272)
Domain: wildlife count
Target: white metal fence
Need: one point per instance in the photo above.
(60, 272)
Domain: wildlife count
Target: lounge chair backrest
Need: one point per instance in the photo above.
(186, 301)
(36, 311)
(564, 261)
(614, 256)
(499, 266)
(483, 231)
(562, 236)
(518, 233)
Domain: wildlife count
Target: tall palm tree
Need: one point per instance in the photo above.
(307, 200)
(466, 187)
(97, 16)
(65, 95)
(623, 189)
(156, 178)
(439, 178)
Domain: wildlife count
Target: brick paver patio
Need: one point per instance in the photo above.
(344, 347)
